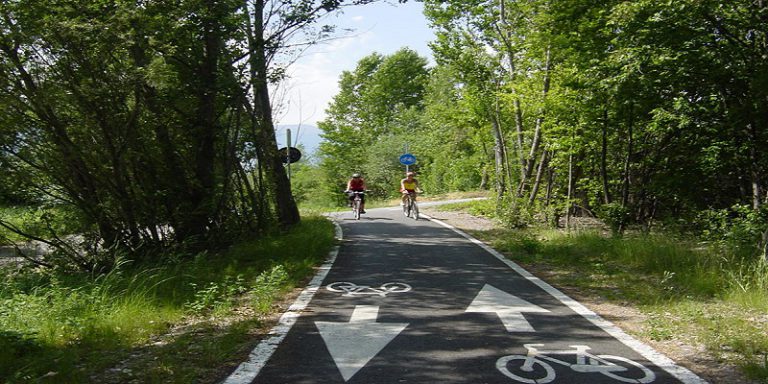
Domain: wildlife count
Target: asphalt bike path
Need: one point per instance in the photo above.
(409, 301)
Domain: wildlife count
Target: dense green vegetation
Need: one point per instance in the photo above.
(649, 113)
(697, 293)
(149, 123)
(79, 325)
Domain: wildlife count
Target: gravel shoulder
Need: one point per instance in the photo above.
(630, 319)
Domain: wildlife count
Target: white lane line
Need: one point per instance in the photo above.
(662, 361)
(247, 371)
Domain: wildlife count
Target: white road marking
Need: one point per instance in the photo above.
(352, 289)
(626, 371)
(247, 371)
(353, 344)
(508, 307)
(660, 360)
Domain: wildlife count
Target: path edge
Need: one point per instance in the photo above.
(247, 371)
(662, 361)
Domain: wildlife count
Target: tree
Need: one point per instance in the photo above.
(654, 108)
(376, 101)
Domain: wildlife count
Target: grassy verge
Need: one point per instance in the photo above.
(691, 292)
(176, 322)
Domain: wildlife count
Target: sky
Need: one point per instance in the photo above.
(382, 27)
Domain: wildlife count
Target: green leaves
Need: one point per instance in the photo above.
(649, 105)
(375, 113)
(149, 117)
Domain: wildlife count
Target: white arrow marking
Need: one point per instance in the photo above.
(508, 307)
(355, 343)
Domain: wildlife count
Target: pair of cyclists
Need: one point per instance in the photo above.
(409, 185)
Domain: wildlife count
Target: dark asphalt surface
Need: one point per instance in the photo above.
(434, 339)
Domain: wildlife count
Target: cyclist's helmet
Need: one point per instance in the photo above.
(410, 174)
(355, 175)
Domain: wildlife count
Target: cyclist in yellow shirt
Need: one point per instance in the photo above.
(409, 185)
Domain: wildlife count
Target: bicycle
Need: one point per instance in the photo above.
(357, 202)
(352, 289)
(615, 367)
(410, 208)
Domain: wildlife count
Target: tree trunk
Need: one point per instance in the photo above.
(285, 205)
(504, 148)
(550, 184)
(765, 245)
(197, 222)
(755, 169)
(519, 136)
(627, 168)
(535, 189)
(531, 162)
(570, 192)
(604, 159)
(255, 203)
(498, 151)
(628, 160)
(504, 34)
(649, 216)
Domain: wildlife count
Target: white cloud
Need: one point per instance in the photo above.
(313, 81)
(308, 92)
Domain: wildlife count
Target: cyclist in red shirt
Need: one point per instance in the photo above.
(357, 184)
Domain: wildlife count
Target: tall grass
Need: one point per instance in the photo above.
(71, 327)
(719, 297)
(682, 267)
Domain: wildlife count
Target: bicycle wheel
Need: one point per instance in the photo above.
(341, 286)
(396, 287)
(356, 208)
(539, 373)
(631, 371)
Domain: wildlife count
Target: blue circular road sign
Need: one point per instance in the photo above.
(407, 159)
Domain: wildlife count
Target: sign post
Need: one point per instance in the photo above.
(289, 154)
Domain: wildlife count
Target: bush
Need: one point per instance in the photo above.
(615, 216)
(217, 295)
(515, 213)
(740, 226)
(267, 286)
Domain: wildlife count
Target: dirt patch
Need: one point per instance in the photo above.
(686, 353)
(461, 220)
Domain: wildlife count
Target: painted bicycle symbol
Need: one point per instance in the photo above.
(534, 369)
(352, 289)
